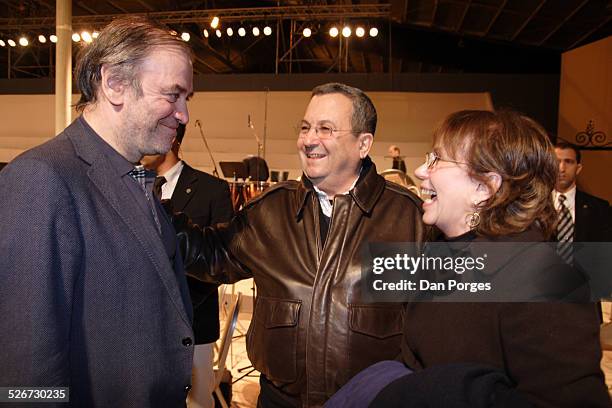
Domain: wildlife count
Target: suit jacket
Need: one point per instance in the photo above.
(593, 219)
(89, 296)
(207, 201)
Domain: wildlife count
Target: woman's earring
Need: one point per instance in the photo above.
(473, 218)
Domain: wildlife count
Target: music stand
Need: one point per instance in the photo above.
(234, 170)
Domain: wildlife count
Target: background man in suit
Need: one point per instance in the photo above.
(588, 217)
(92, 291)
(590, 214)
(207, 201)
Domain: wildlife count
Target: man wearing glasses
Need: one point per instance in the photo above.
(312, 330)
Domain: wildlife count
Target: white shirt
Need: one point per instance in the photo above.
(570, 201)
(326, 205)
(172, 176)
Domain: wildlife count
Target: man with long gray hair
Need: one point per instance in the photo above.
(92, 292)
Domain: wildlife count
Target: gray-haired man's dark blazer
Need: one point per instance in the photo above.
(89, 296)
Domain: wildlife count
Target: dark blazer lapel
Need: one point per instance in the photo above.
(581, 223)
(185, 188)
(110, 185)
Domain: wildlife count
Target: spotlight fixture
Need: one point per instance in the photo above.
(53, 38)
(23, 41)
(373, 32)
(205, 32)
(11, 43)
(241, 32)
(42, 39)
(360, 32)
(86, 36)
(76, 37)
(346, 31)
(255, 31)
(185, 36)
(307, 32)
(173, 32)
(215, 22)
(218, 32)
(95, 34)
(333, 32)
(229, 31)
(2, 43)
(267, 30)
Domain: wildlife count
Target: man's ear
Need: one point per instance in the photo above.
(112, 87)
(365, 144)
(578, 168)
(485, 190)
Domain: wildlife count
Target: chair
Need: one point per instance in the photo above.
(224, 345)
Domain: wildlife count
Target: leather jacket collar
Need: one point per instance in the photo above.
(366, 192)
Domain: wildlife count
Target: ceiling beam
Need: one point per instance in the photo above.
(494, 19)
(591, 31)
(565, 20)
(145, 5)
(434, 12)
(86, 8)
(465, 11)
(115, 5)
(531, 16)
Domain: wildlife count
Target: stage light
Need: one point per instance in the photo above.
(307, 32)
(267, 30)
(360, 32)
(205, 32)
(241, 32)
(173, 32)
(11, 43)
(218, 32)
(53, 38)
(215, 22)
(373, 32)
(95, 34)
(42, 39)
(229, 31)
(76, 37)
(185, 36)
(333, 32)
(23, 41)
(346, 31)
(2, 43)
(86, 36)
(255, 31)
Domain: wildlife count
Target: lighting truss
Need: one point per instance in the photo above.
(318, 12)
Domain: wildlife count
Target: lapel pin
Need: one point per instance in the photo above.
(188, 191)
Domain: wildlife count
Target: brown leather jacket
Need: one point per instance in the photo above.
(311, 329)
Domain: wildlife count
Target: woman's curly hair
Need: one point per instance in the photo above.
(519, 150)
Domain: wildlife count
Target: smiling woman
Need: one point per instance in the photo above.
(491, 172)
(488, 182)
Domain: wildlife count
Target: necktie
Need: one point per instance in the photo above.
(139, 174)
(157, 186)
(565, 232)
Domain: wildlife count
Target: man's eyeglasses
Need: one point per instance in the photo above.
(322, 132)
(432, 158)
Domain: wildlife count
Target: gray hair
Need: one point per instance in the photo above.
(364, 113)
(122, 46)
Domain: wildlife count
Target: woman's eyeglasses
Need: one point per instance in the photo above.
(432, 158)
